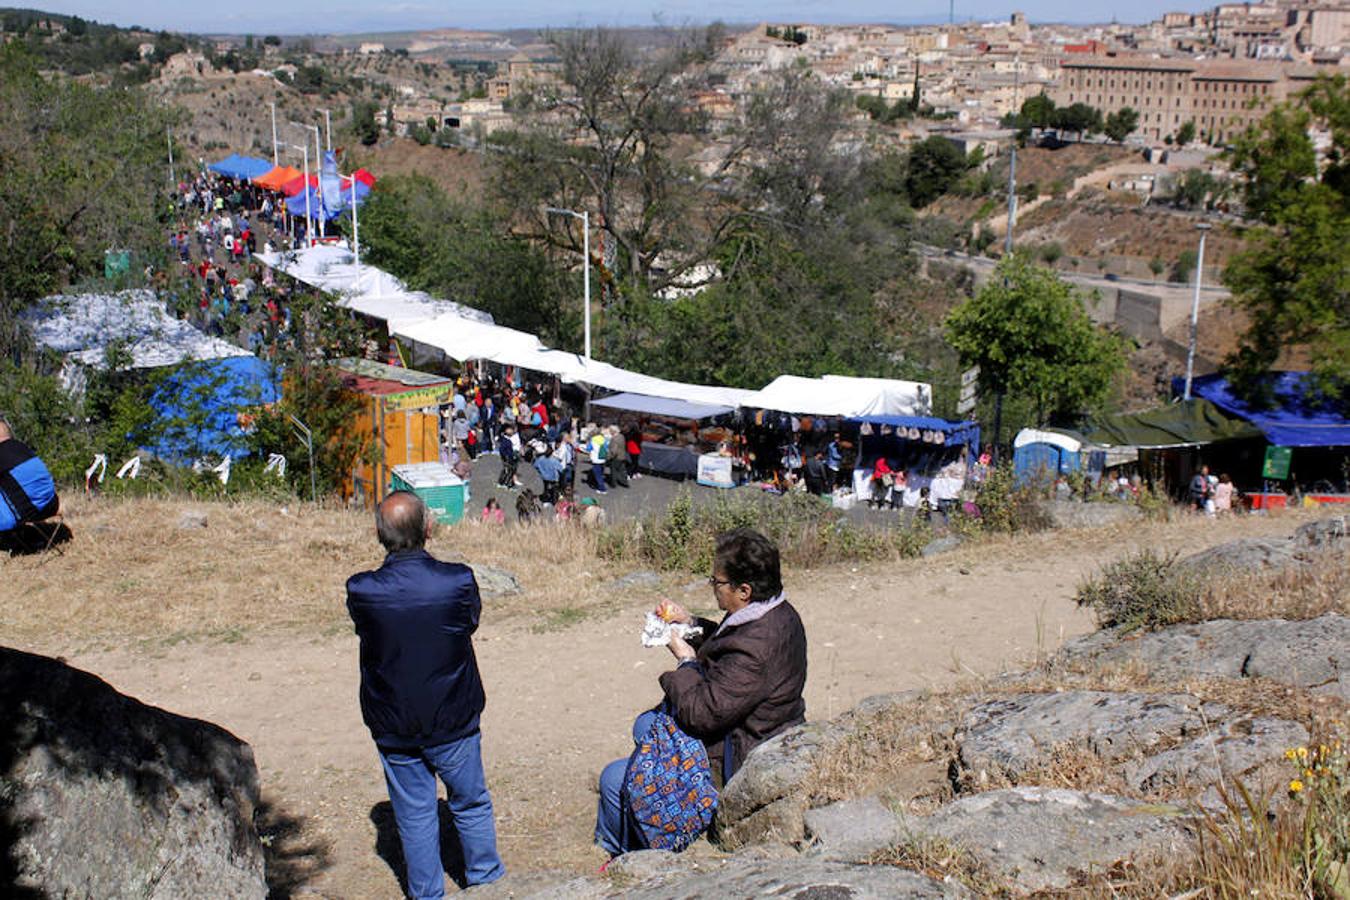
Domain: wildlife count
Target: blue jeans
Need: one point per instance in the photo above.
(411, 779)
(615, 830)
(598, 473)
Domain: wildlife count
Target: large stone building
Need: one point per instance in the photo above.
(1222, 97)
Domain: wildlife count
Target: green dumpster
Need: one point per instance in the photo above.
(440, 489)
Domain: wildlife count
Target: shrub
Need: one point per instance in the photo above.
(1144, 590)
(808, 532)
(1007, 507)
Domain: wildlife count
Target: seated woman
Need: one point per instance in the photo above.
(734, 688)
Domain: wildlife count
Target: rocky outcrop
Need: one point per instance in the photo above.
(800, 879)
(1309, 654)
(494, 582)
(1073, 514)
(1012, 734)
(107, 797)
(1043, 838)
(1257, 554)
(768, 796)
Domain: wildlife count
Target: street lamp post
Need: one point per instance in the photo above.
(585, 218)
(1203, 228)
(309, 225)
(274, 133)
(327, 129)
(318, 158)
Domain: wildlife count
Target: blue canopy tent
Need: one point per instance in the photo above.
(202, 406)
(242, 168)
(927, 428)
(1296, 417)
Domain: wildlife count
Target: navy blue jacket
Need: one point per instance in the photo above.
(415, 616)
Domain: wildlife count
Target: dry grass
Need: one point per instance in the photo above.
(881, 748)
(1319, 586)
(133, 576)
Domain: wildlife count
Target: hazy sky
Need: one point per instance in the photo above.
(331, 16)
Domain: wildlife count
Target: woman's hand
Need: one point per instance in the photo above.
(680, 649)
(670, 611)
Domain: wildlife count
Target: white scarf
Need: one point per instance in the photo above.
(750, 612)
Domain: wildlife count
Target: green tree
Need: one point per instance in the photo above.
(1079, 118)
(1293, 277)
(1121, 124)
(451, 248)
(935, 164)
(1186, 133)
(1037, 112)
(363, 123)
(85, 170)
(1033, 341)
(1184, 268)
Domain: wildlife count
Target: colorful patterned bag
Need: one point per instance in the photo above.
(668, 786)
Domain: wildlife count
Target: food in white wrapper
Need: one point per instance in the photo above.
(656, 633)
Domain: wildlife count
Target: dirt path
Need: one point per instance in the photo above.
(560, 701)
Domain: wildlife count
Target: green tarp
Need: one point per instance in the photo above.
(1187, 423)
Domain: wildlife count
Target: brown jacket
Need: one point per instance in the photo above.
(748, 684)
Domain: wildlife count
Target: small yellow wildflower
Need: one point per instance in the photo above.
(1308, 774)
(1295, 786)
(1302, 752)
(1290, 754)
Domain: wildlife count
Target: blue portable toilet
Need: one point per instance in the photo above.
(1046, 455)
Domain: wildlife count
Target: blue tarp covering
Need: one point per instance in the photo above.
(200, 405)
(662, 406)
(1293, 419)
(318, 209)
(967, 433)
(242, 167)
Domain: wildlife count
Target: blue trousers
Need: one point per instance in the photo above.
(615, 829)
(411, 779)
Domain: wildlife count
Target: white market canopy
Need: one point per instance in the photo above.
(462, 333)
(840, 395)
(365, 289)
(662, 406)
(83, 327)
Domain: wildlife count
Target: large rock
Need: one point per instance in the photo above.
(1229, 750)
(1309, 654)
(852, 829)
(493, 582)
(768, 796)
(798, 879)
(1258, 554)
(108, 797)
(1041, 838)
(1012, 734)
(1073, 514)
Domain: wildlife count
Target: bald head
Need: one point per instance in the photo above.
(401, 522)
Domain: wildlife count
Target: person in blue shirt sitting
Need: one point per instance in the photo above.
(27, 498)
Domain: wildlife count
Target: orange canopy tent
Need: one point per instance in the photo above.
(274, 179)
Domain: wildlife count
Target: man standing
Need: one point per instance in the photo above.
(421, 695)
